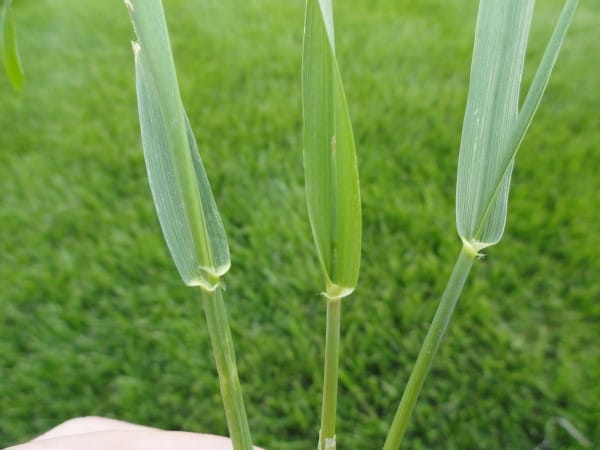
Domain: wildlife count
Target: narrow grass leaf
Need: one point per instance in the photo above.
(9, 48)
(492, 105)
(493, 127)
(184, 202)
(330, 166)
(532, 100)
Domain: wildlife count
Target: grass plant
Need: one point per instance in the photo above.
(332, 189)
(183, 198)
(492, 132)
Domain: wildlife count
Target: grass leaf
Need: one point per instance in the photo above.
(491, 112)
(9, 48)
(184, 202)
(533, 98)
(330, 166)
(493, 128)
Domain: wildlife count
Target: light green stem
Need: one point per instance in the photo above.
(434, 337)
(231, 391)
(330, 378)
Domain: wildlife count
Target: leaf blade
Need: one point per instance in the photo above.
(182, 196)
(331, 172)
(9, 48)
(533, 98)
(491, 112)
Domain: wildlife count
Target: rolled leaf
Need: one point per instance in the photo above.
(330, 167)
(184, 202)
(9, 48)
(493, 128)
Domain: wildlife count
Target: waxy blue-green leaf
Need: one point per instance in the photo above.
(493, 127)
(9, 50)
(330, 166)
(184, 202)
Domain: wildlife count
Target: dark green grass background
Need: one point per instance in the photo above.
(94, 318)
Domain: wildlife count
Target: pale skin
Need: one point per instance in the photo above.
(97, 433)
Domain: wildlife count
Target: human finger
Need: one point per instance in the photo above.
(130, 440)
(89, 424)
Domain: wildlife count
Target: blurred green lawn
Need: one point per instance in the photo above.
(94, 318)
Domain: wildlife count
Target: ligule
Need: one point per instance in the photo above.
(330, 166)
(184, 201)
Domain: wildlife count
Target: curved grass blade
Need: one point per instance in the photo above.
(9, 48)
(493, 128)
(330, 167)
(532, 101)
(184, 202)
(491, 113)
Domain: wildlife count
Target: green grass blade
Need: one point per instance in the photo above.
(330, 166)
(9, 47)
(533, 99)
(184, 202)
(491, 113)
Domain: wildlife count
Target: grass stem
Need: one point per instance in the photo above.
(432, 341)
(330, 378)
(231, 391)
